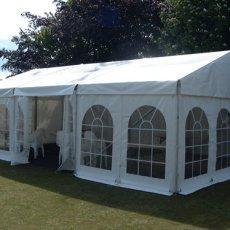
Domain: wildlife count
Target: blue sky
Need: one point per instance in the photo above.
(11, 20)
(8, 45)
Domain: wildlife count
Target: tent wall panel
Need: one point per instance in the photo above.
(8, 104)
(211, 107)
(23, 126)
(167, 106)
(121, 108)
(67, 152)
(113, 105)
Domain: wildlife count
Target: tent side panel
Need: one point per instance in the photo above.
(189, 179)
(8, 104)
(121, 108)
(66, 155)
(22, 129)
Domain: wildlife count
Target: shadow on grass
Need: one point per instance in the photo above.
(209, 208)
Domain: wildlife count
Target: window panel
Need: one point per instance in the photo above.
(145, 153)
(224, 162)
(229, 160)
(146, 137)
(97, 111)
(132, 166)
(133, 152)
(95, 160)
(188, 171)
(147, 112)
(204, 154)
(189, 155)
(107, 134)
(107, 148)
(88, 118)
(196, 168)
(189, 138)
(158, 121)
(204, 167)
(196, 142)
(158, 170)
(97, 138)
(223, 139)
(159, 155)
(146, 143)
(106, 162)
(85, 145)
(145, 169)
(159, 138)
(197, 153)
(85, 159)
(224, 148)
(133, 136)
(135, 120)
(197, 137)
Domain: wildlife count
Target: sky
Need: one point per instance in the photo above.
(11, 20)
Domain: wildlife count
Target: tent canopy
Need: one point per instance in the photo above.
(205, 74)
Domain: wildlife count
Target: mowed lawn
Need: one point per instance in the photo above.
(38, 198)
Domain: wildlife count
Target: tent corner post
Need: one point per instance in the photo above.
(176, 171)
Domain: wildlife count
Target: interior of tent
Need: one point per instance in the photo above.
(47, 124)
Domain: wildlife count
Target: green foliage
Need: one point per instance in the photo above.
(87, 31)
(108, 30)
(192, 26)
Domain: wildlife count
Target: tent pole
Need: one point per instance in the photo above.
(178, 93)
(35, 113)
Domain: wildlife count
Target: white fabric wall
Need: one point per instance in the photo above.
(8, 102)
(211, 107)
(67, 152)
(25, 105)
(121, 107)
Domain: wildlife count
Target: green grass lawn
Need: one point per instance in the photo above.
(38, 198)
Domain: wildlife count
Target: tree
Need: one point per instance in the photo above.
(191, 26)
(86, 31)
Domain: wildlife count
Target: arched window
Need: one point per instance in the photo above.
(20, 130)
(97, 138)
(197, 141)
(146, 151)
(223, 140)
(4, 128)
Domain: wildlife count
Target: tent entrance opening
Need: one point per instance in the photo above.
(47, 122)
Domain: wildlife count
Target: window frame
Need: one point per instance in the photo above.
(191, 163)
(138, 161)
(219, 158)
(102, 154)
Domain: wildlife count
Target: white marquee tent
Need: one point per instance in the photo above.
(159, 124)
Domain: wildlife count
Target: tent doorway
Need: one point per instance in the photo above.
(47, 120)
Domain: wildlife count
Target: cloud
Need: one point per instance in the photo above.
(10, 14)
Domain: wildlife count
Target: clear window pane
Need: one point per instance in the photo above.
(146, 143)
(97, 138)
(196, 140)
(132, 166)
(145, 169)
(223, 139)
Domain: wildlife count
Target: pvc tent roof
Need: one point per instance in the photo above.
(205, 74)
